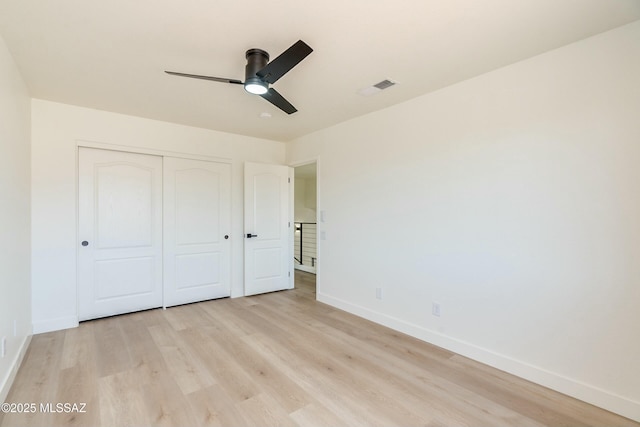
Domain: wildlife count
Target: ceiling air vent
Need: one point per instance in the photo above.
(384, 84)
(372, 90)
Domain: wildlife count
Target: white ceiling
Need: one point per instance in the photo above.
(110, 55)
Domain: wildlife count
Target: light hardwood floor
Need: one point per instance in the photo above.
(274, 359)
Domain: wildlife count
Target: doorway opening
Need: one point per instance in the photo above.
(305, 246)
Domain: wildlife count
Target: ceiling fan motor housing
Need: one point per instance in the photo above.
(257, 59)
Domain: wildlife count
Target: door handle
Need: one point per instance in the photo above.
(249, 235)
(84, 243)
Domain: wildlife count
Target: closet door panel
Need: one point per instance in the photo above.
(197, 206)
(120, 232)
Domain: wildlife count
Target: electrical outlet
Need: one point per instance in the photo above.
(3, 346)
(435, 309)
(379, 293)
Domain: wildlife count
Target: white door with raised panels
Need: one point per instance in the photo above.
(268, 217)
(120, 232)
(197, 223)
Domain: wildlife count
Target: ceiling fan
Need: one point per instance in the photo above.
(259, 73)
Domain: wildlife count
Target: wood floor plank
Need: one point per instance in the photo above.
(146, 357)
(186, 316)
(112, 355)
(227, 372)
(165, 403)
(267, 377)
(121, 400)
(332, 386)
(273, 359)
(263, 410)
(213, 407)
(185, 368)
(78, 346)
(316, 415)
(77, 385)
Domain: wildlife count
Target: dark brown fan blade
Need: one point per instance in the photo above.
(285, 62)
(276, 99)
(215, 79)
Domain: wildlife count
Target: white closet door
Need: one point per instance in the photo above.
(120, 232)
(197, 223)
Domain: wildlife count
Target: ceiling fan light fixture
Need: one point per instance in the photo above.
(255, 86)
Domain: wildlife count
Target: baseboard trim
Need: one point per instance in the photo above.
(582, 391)
(57, 324)
(13, 370)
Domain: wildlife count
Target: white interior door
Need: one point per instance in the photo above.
(197, 223)
(120, 232)
(268, 217)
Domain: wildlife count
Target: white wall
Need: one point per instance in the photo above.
(305, 200)
(15, 241)
(56, 131)
(513, 200)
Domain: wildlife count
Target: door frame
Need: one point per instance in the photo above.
(320, 224)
